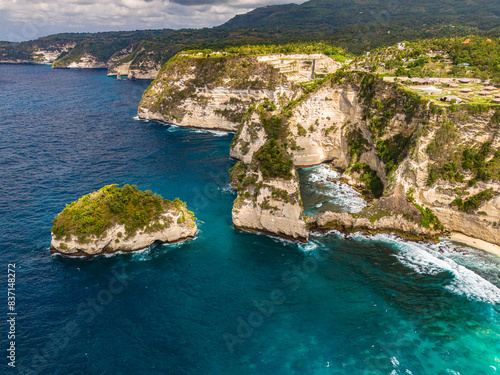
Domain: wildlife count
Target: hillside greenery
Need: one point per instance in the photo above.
(90, 216)
(370, 178)
(267, 49)
(274, 161)
(471, 204)
(465, 56)
(338, 14)
(351, 25)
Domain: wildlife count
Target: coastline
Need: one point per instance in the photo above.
(474, 242)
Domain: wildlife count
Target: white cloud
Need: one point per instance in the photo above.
(29, 19)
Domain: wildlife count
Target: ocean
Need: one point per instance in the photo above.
(225, 302)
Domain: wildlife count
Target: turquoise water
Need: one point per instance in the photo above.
(226, 302)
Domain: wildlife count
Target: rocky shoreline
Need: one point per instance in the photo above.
(108, 244)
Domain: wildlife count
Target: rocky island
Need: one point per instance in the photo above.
(120, 219)
(429, 168)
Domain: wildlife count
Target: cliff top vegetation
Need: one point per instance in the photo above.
(268, 49)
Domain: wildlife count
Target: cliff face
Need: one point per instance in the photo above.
(440, 165)
(50, 54)
(86, 61)
(316, 128)
(38, 55)
(270, 204)
(215, 92)
(131, 60)
(455, 171)
(210, 93)
(134, 64)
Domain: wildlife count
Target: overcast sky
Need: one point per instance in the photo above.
(30, 19)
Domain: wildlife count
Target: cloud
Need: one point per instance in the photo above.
(29, 19)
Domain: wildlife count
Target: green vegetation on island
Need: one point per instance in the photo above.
(93, 214)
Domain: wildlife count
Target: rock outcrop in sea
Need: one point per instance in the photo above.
(269, 196)
(116, 219)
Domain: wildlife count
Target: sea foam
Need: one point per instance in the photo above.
(429, 259)
(338, 193)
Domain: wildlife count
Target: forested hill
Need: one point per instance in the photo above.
(337, 14)
(355, 25)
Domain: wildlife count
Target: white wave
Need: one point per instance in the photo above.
(217, 133)
(227, 189)
(137, 118)
(151, 251)
(394, 361)
(330, 232)
(309, 246)
(321, 173)
(60, 255)
(427, 259)
(340, 194)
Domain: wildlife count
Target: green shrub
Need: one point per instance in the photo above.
(301, 131)
(357, 144)
(473, 203)
(237, 172)
(429, 220)
(274, 160)
(392, 151)
(369, 177)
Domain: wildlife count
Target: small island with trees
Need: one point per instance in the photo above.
(116, 219)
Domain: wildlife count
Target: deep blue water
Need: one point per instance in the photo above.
(341, 306)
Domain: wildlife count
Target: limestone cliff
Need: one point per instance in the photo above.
(134, 63)
(119, 219)
(85, 61)
(443, 161)
(106, 244)
(49, 54)
(125, 57)
(316, 127)
(269, 196)
(436, 168)
(215, 91)
(45, 54)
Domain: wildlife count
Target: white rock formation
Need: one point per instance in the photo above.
(271, 206)
(115, 238)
